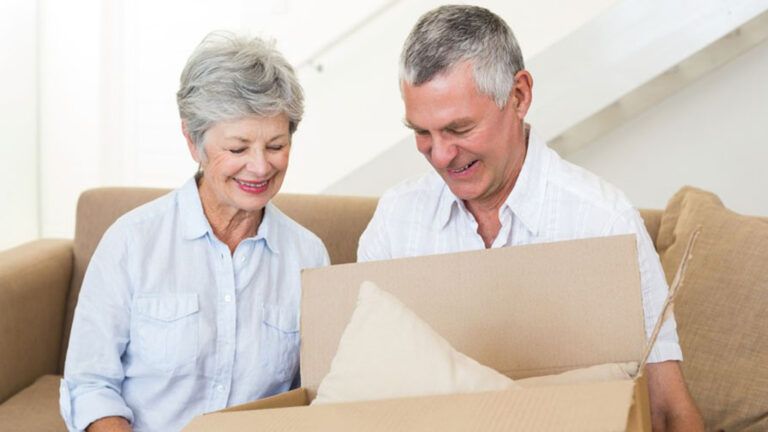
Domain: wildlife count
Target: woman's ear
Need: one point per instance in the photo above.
(193, 150)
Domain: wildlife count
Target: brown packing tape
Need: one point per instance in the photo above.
(674, 289)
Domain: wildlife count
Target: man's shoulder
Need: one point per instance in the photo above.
(424, 188)
(577, 185)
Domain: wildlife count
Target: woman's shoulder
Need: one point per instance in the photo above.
(149, 212)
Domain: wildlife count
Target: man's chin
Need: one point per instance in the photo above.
(463, 192)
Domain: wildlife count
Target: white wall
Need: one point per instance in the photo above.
(108, 77)
(354, 112)
(18, 122)
(108, 72)
(713, 134)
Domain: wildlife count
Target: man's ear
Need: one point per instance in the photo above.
(521, 94)
(193, 150)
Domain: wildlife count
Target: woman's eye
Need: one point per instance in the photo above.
(275, 147)
(237, 151)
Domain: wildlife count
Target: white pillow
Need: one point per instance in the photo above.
(387, 351)
(598, 373)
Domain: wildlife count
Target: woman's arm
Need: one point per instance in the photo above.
(110, 424)
(93, 373)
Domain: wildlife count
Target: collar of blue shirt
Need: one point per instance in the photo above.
(195, 224)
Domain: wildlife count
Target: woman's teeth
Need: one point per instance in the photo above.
(252, 184)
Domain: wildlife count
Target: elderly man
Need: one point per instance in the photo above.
(496, 183)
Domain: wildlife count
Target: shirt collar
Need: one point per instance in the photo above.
(196, 224)
(527, 197)
(268, 227)
(191, 211)
(446, 203)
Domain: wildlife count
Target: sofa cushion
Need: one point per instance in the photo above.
(34, 409)
(722, 310)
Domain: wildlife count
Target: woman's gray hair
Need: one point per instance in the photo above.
(229, 77)
(449, 35)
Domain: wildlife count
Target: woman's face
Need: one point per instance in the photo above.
(245, 161)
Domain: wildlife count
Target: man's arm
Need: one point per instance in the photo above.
(672, 407)
(374, 242)
(110, 424)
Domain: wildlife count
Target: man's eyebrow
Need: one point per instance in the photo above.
(458, 124)
(410, 125)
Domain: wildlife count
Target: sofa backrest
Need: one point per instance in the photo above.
(652, 219)
(337, 220)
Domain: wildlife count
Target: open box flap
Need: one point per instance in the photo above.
(524, 311)
(585, 407)
(674, 289)
(293, 398)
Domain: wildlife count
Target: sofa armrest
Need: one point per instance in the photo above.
(34, 282)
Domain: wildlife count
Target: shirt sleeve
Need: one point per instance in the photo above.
(374, 242)
(93, 373)
(654, 287)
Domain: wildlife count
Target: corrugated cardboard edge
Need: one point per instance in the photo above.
(674, 289)
(639, 419)
(288, 399)
(583, 407)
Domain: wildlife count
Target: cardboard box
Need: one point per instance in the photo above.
(525, 311)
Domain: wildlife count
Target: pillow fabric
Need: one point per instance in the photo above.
(722, 309)
(597, 373)
(386, 351)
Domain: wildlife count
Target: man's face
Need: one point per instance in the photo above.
(476, 147)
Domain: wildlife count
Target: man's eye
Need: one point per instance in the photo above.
(421, 132)
(459, 132)
(237, 150)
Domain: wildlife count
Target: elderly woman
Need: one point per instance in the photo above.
(191, 302)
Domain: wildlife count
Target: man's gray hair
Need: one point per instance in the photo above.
(229, 77)
(449, 35)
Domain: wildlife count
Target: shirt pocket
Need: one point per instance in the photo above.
(164, 329)
(279, 348)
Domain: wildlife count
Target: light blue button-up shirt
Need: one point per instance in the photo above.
(170, 325)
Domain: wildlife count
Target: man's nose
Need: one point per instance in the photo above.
(443, 152)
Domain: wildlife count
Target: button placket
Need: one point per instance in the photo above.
(225, 331)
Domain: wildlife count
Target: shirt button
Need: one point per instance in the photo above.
(220, 388)
(227, 298)
(242, 258)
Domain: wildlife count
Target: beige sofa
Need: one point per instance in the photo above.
(40, 281)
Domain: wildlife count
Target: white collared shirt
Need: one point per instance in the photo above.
(169, 324)
(552, 200)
